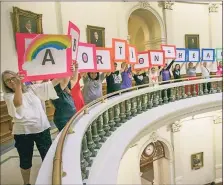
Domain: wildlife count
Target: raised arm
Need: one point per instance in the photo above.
(197, 64)
(74, 78)
(169, 66)
(182, 65)
(17, 86)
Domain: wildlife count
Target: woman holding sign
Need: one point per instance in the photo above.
(64, 105)
(92, 89)
(126, 74)
(77, 95)
(31, 124)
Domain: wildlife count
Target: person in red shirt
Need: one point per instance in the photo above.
(77, 95)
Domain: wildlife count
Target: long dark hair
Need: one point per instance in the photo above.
(176, 66)
(97, 76)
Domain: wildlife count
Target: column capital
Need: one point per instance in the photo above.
(213, 8)
(175, 127)
(166, 4)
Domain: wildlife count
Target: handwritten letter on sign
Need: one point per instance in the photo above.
(194, 55)
(157, 58)
(143, 60)
(181, 55)
(208, 55)
(120, 50)
(170, 51)
(86, 57)
(74, 31)
(43, 56)
(104, 59)
(133, 57)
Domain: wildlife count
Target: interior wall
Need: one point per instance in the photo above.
(197, 135)
(114, 17)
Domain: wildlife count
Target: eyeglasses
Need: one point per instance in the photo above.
(9, 80)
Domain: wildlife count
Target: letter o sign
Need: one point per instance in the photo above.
(84, 57)
(141, 61)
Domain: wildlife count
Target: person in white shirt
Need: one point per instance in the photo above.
(205, 73)
(153, 76)
(30, 120)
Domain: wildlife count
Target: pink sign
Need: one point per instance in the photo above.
(87, 57)
(74, 31)
(42, 57)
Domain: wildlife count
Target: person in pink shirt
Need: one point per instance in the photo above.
(219, 68)
(77, 95)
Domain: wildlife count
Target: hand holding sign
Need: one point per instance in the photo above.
(44, 56)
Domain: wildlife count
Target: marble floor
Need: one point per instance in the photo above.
(10, 171)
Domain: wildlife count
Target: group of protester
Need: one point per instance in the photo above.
(26, 102)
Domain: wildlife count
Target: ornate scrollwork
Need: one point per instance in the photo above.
(144, 4)
(176, 126)
(154, 137)
(213, 8)
(166, 4)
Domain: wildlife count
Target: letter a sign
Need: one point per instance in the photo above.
(208, 55)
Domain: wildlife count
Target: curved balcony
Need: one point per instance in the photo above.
(82, 152)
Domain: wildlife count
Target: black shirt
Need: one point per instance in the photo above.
(176, 74)
(64, 105)
(114, 82)
(140, 79)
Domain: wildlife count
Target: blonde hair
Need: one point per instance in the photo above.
(5, 88)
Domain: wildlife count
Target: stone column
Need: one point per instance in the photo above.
(213, 31)
(168, 19)
(176, 142)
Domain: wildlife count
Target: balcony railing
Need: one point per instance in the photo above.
(103, 122)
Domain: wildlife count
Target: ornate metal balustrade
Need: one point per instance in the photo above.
(111, 119)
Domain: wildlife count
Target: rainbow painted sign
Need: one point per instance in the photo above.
(45, 56)
(42, 42)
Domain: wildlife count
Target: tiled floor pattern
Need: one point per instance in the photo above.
(10, 171)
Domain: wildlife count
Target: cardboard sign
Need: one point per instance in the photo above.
(42, 56)
(104, 59)
(219, 53)
(193, 55)
(170, 51)
(120, 50)
(157, 57)
(143, 60)
(208, 55)
(132, 54)
(87, 57)
(181, 55)
(74, 31)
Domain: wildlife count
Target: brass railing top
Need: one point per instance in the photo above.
(57, 162)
